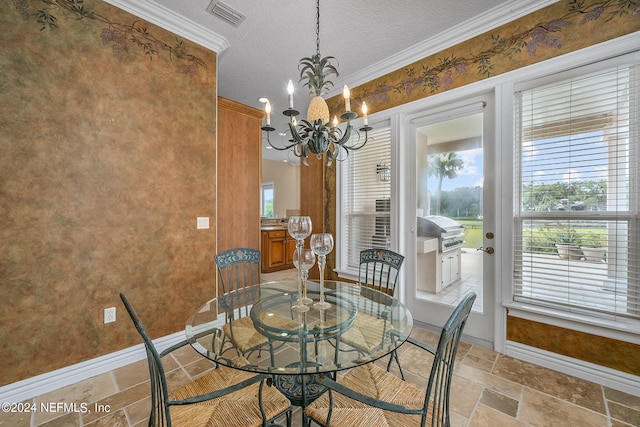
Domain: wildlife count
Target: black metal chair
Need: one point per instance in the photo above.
(222, 397)
(379, 270)
(369, 395)
(239, 269)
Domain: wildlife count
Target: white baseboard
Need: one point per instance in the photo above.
(50, 381)
(607, 377)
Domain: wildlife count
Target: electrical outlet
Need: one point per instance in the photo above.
(109, 315)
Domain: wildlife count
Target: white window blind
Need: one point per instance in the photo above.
(366, 197)
(576, 164)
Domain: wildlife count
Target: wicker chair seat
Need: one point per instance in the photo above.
(246, 337)
(232, 410)
(366, 333)
(373, 381)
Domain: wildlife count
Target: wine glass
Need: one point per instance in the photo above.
(308, 260)
(321, 245)
(299, 228)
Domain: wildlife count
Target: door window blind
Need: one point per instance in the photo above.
(366, 197)
(576, 205)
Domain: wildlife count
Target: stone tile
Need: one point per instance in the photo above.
(463, 349)
(485, 416)
(185, 355)
(493, 382)
(616, 423)
(624, 413)
(67, 420)
(139, 411)
(423, 335)
(117, 401)
(176, 378)
(134, 373)
(499, 402)
(483, 353)
(464, 395)
(116, 419)
(200, 367)
(560, 385)
(458, 420)
(83, 392)
(625, 399)
(417, 380)
(542, 410)
(478, 362)
(22, 418)
(416, 361)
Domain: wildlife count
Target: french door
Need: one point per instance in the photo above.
(450, 180)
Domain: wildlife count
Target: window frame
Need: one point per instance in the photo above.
(342, 268)
(618, 326)
(265, 186)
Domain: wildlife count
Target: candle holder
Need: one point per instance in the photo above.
(304, 262)
(299, 228)
(322, 245)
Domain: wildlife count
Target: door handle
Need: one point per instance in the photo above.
(489, 250)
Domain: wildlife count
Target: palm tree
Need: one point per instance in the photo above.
(445, 165)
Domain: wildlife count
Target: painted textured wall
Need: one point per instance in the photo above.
(608, 352)
(107, 156)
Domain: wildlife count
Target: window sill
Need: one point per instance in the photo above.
(347, 274)
(622, 330)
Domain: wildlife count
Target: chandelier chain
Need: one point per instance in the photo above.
(318, 28)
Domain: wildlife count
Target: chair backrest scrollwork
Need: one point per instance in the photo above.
(238, 268)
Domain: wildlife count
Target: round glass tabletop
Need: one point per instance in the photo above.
(255, 329)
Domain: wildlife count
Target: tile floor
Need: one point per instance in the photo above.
(488, 389)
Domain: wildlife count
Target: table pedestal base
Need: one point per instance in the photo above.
(301, 390)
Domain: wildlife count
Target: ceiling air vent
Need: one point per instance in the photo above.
(225, 12)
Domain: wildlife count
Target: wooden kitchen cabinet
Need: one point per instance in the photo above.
(239, 164)
(277, 250)
(239, 174)
(290, 247)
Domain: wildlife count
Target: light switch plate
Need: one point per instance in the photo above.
(203, 222)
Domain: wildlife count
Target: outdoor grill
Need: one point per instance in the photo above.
(450, 234)
(439, 247)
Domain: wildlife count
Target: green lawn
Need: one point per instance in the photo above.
(473, 233)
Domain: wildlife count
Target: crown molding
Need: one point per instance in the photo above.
(170, 21)
(490, 19)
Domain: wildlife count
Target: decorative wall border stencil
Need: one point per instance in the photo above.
(119, 36)
(552, 31)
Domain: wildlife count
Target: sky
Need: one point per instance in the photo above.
(547, 161)
(470, 176)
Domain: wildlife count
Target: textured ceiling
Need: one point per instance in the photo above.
(264, 50)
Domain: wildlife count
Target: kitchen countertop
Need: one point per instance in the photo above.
(273, 227)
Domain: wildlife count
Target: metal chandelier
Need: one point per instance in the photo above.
(318, 134)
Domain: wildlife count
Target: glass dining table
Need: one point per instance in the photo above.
(360, 326)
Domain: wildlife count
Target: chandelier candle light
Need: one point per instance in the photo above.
(318, 134)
